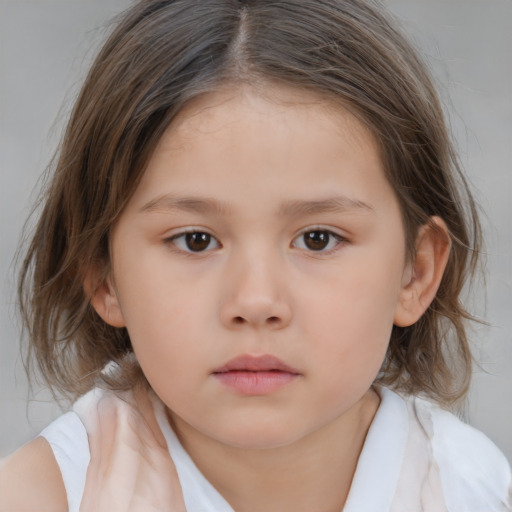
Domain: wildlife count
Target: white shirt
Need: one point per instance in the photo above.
(416, 457)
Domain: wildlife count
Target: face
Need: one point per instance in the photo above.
(258, 267)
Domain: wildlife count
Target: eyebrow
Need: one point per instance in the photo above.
(168, 202)
(337, 204)
(209, 206)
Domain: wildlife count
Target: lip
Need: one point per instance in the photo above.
(263, 363)
(255, 375)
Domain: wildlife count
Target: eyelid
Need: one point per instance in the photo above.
(170, 240)
(341, 239)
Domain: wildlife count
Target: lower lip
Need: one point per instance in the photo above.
(255, 383)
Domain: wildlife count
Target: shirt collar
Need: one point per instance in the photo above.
(378, 469)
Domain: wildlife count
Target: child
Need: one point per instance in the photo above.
(248, 266)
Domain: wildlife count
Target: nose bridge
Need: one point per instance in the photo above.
(256, 291)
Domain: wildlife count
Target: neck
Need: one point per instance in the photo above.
(314, 473)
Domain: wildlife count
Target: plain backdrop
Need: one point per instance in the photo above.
(45, 47)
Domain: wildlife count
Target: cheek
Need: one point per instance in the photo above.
(355, 342)
(349, 355)
(156, 294)
(162, 318)
(354, 319)
(168, 326)
(167, 348)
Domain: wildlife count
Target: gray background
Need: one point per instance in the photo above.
(45, 46)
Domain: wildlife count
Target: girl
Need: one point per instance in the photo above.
(248, 266)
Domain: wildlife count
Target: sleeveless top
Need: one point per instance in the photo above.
(416, 456)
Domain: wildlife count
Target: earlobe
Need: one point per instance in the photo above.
(425, 273)
(104, 300)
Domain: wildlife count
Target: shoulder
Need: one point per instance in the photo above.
(54, 465)
(30, 480)
(460, 444)
(473, 470)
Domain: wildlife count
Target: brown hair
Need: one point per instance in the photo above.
(163, 53)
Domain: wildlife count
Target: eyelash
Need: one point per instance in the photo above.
(182, 237)
(332, 236)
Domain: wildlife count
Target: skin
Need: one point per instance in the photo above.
(258, 173)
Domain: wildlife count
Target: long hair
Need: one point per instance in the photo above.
(162, 54)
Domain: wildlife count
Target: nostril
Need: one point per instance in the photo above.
(272, 320)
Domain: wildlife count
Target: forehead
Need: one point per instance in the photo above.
(257, 105)
(276, 142)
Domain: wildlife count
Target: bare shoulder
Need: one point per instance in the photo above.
(30, 480)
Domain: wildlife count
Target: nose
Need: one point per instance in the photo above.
(255, 295)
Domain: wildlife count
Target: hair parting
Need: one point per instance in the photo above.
(160, 55)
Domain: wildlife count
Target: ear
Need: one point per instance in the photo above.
(103, 297)
(423, 275)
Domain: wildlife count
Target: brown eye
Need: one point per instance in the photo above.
(197, 241)
(194, 241)
(318, 240)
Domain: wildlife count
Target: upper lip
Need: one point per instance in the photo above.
(262, 363)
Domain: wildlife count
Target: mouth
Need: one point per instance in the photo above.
(264, 363)
(255, 376)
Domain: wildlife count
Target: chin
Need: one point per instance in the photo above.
(259, 436)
